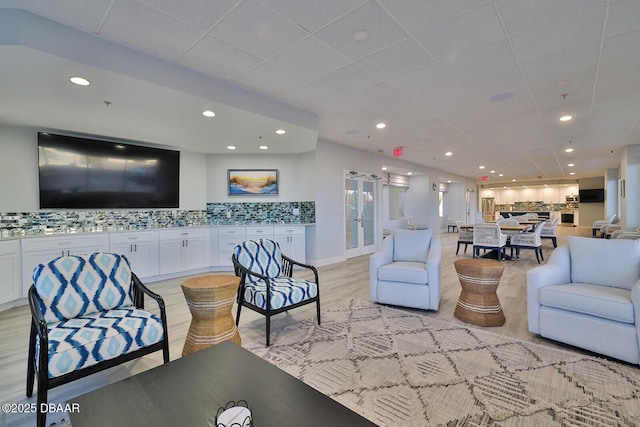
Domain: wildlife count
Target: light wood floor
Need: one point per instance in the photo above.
(338, 283)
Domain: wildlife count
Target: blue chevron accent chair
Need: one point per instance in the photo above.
(267, 284)
(87, 315)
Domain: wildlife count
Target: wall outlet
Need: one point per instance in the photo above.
(228, 214)
(295, 211)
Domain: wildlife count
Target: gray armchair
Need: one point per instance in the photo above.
(405, 271)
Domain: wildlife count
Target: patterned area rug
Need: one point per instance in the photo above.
(398, 368)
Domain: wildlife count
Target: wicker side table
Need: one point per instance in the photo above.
(478, 302)
(210, 299)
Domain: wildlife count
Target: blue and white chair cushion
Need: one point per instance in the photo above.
(285, 291)
(260, 256)
(85, 341)
(74, 286)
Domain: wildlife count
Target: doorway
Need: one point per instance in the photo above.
(360, 199)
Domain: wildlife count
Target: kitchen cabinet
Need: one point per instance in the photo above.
(40, 250)
(140, 248)
(183, 250)
(292, 241)
(229, 238)
(10, 258)
(259, 232)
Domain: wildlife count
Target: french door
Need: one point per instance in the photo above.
(360, 214)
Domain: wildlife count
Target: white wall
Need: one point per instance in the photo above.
(630, 173)
(19, 173)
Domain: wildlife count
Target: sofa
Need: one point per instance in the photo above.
(405, 271)
(588, 296)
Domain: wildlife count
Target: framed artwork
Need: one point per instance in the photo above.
(253, 182)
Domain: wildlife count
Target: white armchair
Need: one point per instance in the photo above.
(599, 224)
(632, 234)
(528, 241)
(489, 236)
(405, 271)
(549, 231)
(588, 296)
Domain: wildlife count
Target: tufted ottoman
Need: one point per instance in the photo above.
(478, 302)
(210, 299)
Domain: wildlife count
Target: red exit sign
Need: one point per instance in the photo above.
(485, 178)
(397, 152)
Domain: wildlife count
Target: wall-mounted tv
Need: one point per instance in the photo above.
(591, 196)
(82, 173)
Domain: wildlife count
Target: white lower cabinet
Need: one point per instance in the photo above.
(184, 249)
(40, 250)
(228, 239)
(140, 248)
(10, 286)
(292, 242)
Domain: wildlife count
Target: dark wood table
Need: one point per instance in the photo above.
(188, 392)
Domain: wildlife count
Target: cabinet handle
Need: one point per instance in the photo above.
(133, 238)
(135, 248)
(64, 243)
(184, 234)
(186, 243)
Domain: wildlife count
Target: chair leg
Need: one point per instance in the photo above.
(458, 248)
(537, 255)
(42, 398)
(268, 330)
(465, 247)
(555, 242)
(31, 361)
(318, 309)
(541, 255)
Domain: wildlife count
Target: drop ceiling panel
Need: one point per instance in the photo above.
(309, 59)
(219, 59)
(562, 35)
(624, 16)
(396, 60)
(200, 13)
(312, 16)
(412, 83)
(463, 34)
(136, 25)
(309, 96)
(347, 79)
(270, 79)
(85, 16)
(258, 30)
(482, 61)
(383, 32)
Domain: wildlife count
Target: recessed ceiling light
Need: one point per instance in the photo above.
(80, 81)
(360, 35)
(208, 113)
(384, 168)
(568, 150)
(381, 125)
(263, 147)
(572, 173)
(492, 171)
(120, 146)
(480, 167)
(448, 153)
(570, 165)
(566, 118)
(500, 174)
(281, 131)
(449, 181)
(231, 147)
(513, 180)
(409, 173)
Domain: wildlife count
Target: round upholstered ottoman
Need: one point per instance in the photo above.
(210, 299)
(478, 303)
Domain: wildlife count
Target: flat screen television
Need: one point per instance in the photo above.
(591, 196)
(82, 173)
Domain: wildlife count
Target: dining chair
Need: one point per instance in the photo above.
(528, 241)
(489, 236)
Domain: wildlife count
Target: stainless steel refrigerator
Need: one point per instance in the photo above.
(488, 209)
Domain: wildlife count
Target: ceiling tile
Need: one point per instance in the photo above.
(311, 16)
(500, 81)
(396, 60)
(563, 67)
(523, 15)
(560, 36)
(85, 16)
(624, 15)
(258, 30)
(270, 80)
(383, 32)
(466, 33)
(135, 25)
(309, 59)
(218, 59)
(416, 16)
(308, 96)
(480, 61)
(443, 93)
(347, 79)
(417, 81)
(200, 13)
(616, 62)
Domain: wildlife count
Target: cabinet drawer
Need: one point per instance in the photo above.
(184, 233)
(9, 247)
(231, 231)
(259, 232)
(228, 243)
(137, 237)
(288, 231)
(67, 242)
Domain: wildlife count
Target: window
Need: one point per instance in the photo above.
(396, 202)
(441, 203)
